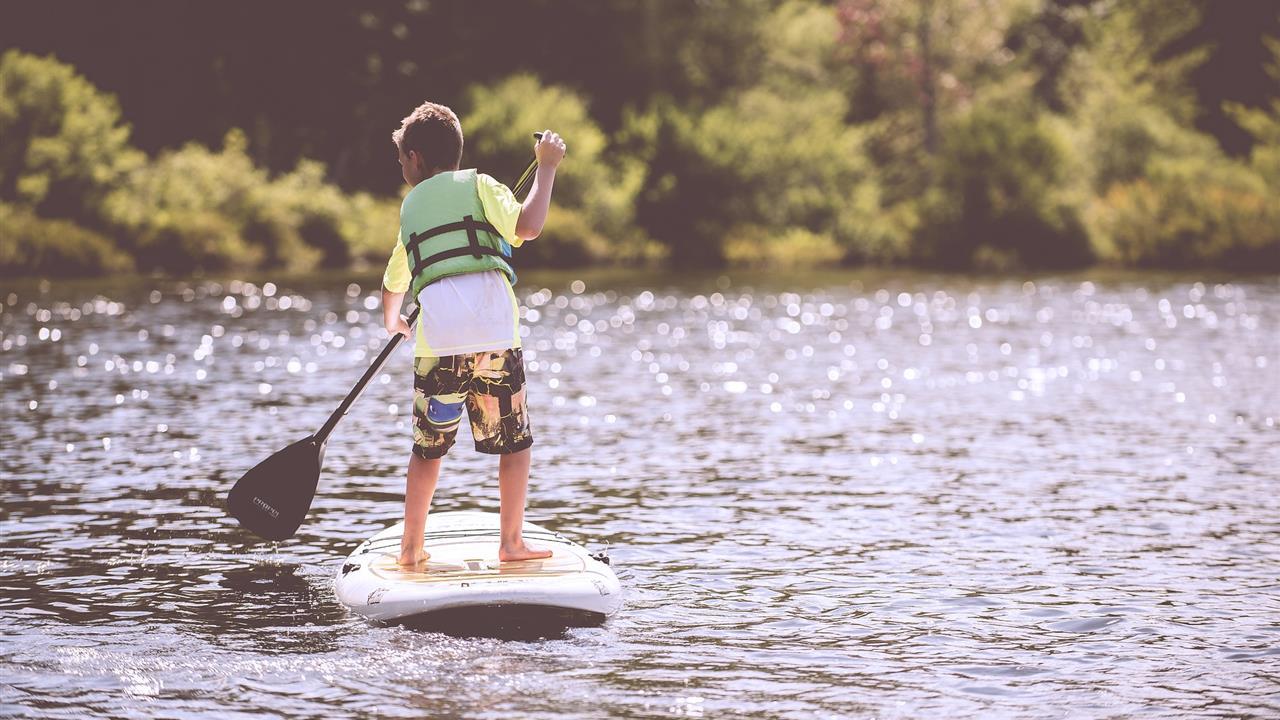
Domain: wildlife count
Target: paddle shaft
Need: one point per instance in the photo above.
(323, 435)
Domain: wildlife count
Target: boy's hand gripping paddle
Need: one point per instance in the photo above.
(273, 498)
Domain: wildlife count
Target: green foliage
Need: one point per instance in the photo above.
(1044, 41)
(796, 247)
(369, 225)
(776, 158)
(684, 203)
(923, 58)
(991, 134)
(188, 211)
(1188, 205)
(1191, 213)
(570, 241)
(64, 142)
(1264, 124)
(819, 179)
(34, 246)
(1123, 137)
(1133, 51)
(313, 210)
(1160, 193)
(1001, 196)
(703, 53)
(195, 210)
(596, 189)
(801, 50)
(1127, 109)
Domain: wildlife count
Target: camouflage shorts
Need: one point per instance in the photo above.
(491, 387)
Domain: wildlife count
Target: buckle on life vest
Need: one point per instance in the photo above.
(472, 239)
(473, 248)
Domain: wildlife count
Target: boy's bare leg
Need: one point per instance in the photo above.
(513, 486)
(419, 488)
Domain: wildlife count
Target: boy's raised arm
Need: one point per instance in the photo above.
(533, 213)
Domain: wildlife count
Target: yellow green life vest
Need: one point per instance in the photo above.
(444, 231)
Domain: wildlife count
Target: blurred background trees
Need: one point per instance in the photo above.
(179, 136)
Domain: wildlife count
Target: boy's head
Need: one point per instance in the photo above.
(429, 141)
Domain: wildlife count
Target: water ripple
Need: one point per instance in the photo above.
(870, 494)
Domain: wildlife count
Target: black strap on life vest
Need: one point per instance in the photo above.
(468, 223)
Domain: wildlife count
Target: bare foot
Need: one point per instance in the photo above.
(410, 561)
(520, 551)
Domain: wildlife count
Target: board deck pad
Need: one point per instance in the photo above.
(463, 572)
(460, 561)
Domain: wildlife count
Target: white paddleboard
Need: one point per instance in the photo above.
(464, 572)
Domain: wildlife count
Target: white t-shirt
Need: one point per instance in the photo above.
(466, 314)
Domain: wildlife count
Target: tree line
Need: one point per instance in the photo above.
(996, 135)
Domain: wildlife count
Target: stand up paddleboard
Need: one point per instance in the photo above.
(463, 572)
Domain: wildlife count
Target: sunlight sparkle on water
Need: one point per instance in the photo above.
(808, 487)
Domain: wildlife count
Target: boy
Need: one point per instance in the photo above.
(456, 230)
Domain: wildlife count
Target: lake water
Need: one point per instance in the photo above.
(859, 495)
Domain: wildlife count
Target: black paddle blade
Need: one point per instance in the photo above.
(273, 498)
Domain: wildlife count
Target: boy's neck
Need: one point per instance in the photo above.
(437, 171)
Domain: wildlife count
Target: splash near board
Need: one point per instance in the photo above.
(463, 572)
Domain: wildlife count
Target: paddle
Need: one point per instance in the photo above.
(527, 176)
(273, 498)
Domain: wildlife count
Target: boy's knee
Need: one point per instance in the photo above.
(428, 454)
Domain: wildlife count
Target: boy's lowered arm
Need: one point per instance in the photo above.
(533, 213)
(392, 320)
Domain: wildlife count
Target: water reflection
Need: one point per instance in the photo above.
(875, 494)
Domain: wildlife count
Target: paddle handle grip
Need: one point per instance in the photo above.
(527, 176)
(322, 436)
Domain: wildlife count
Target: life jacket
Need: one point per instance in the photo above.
(444, 232)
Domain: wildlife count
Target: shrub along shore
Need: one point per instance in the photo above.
(839, 150)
